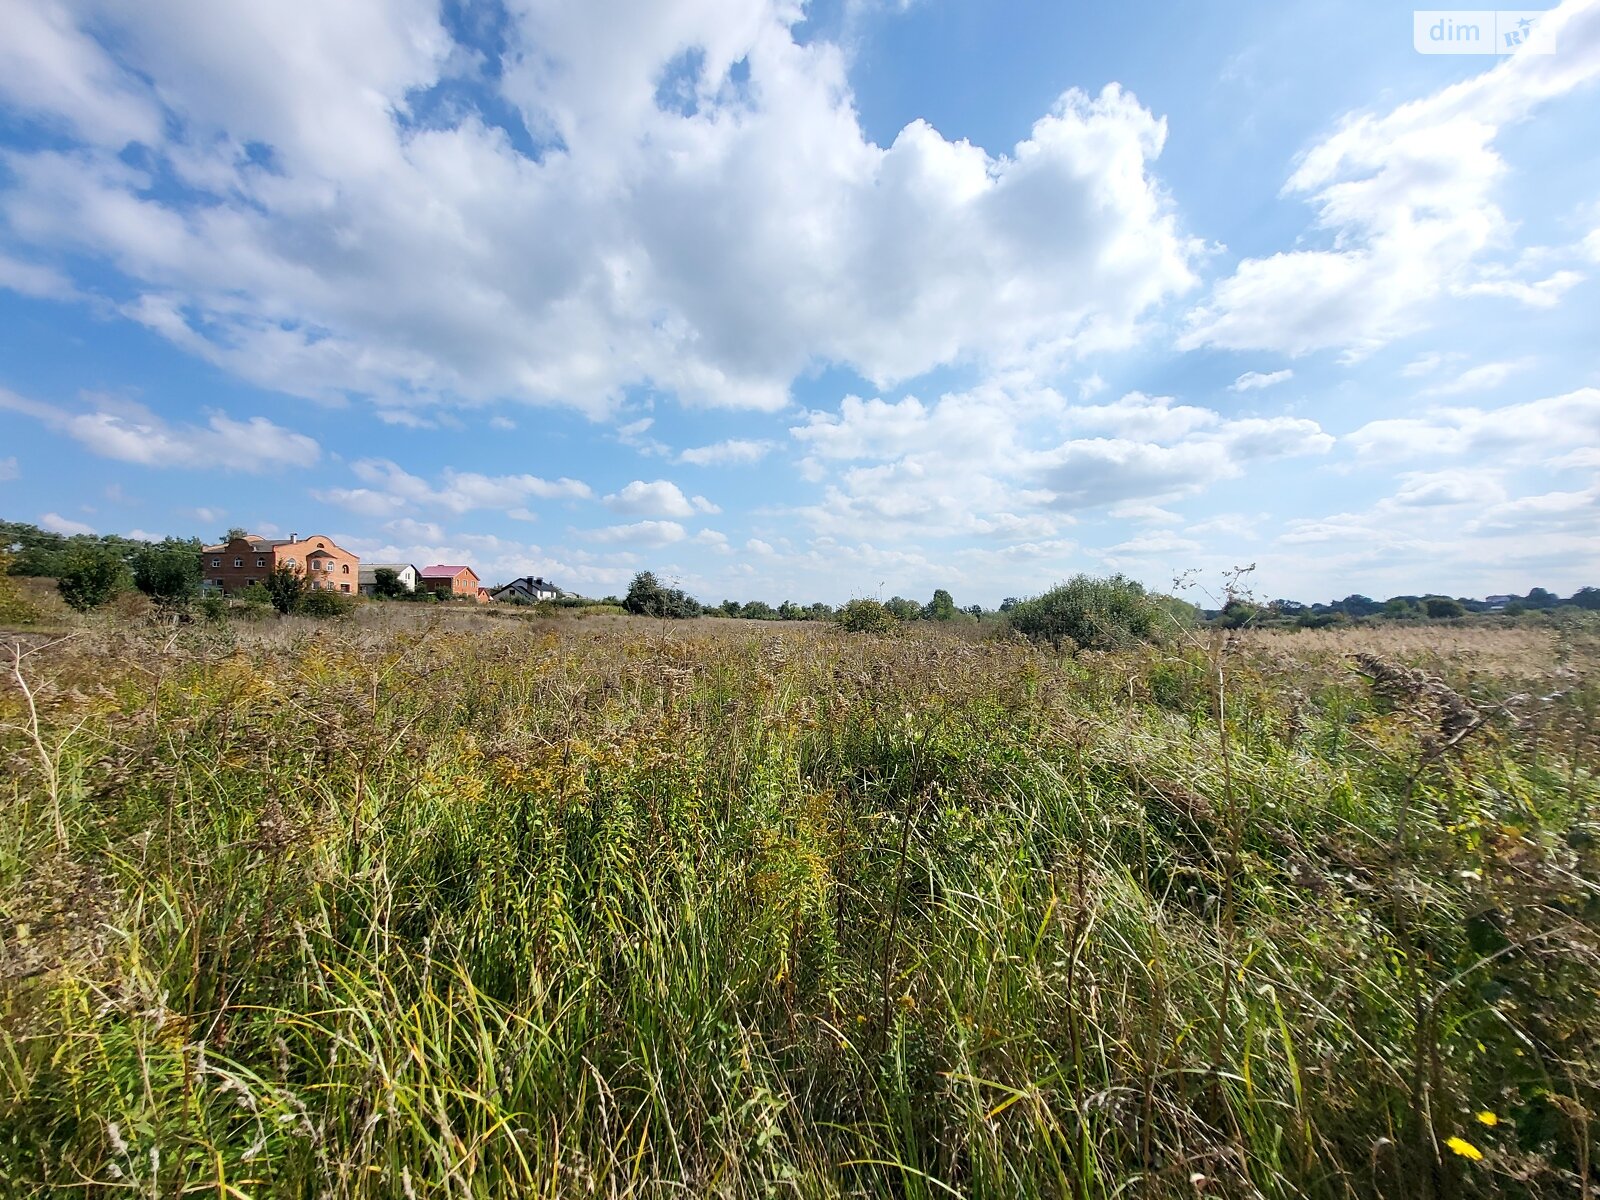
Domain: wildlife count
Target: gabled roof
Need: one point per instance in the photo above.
(444, 571)
(529, 583)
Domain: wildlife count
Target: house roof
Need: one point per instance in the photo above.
(444, 571)
(256, 543)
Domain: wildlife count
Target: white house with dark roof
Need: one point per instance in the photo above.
(529, 588)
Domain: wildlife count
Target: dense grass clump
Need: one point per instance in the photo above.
(460, 907)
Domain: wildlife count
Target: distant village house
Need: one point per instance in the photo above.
(450, 581)
(234, 565)
(530, 588)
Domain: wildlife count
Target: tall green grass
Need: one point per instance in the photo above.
(518, 912)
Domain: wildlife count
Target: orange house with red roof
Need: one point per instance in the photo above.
(450, 581)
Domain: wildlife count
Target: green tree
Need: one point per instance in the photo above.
(168, 572)
(386, 583)
(1091, 614)
(866, 616)
(1357, 605)
(902, 609)
(285, 587)
(90, 576)
(1442, 607)
(1237, 613)
(941, 608)
(647, 597)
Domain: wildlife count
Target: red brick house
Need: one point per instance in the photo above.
(234, 565)
(449, 581)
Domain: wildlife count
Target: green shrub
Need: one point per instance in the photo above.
(1092, 614)
(321, 604)
(169, 573)
(387, 585)
(285, 588)
(15, 608)
(90, 576)
(866, 616)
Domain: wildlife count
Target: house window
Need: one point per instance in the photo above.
(261, 562)
(344, 587)
(216, 562)
(346, 570)
(238, 562)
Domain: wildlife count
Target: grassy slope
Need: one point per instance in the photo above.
(489, 908)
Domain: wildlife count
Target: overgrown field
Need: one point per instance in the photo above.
(621, 907)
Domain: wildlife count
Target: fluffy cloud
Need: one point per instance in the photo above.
(345, 204)
(993, 462)
(662, 498)
(1533, 432)
(733, 452)
(56, 523)
(1475, 538)
(1252, 381)
(1406, 199)
(1428, 489)
(31, 279)
(391, 489)
(646, 534)
(1479, 378)
(132, 433)
(1093, 472)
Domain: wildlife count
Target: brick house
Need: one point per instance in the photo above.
(234, 565)
(450, 582)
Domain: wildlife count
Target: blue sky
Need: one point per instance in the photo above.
(793, 301)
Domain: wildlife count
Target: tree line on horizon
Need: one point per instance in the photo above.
(91, 569)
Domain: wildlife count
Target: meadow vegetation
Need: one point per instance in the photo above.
(427, 903)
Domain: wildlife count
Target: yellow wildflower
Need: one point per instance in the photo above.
(1464, 1148)
(1488, 1118)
